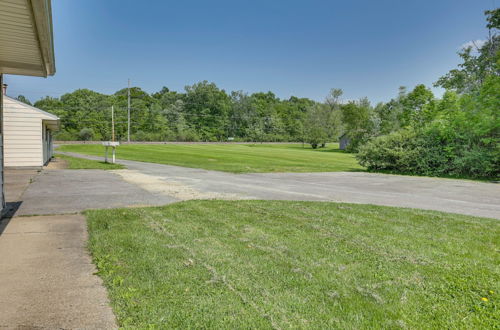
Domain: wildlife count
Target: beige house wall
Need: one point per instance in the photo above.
(23, 136)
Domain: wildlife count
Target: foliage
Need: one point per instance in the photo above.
(203, 112)
(207, 108)
(458, 135)
(317, 125)
(360, 122)
(86, 134)
(287, 264)
(478, 62)
(418, 106)
(397, 151)
(23, 99)
(64, 135)
(461, 140)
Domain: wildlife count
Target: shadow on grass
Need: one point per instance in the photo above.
(331, 150)
(307, 147)
(452, 177)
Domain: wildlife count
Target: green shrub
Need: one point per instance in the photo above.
(434, 151)
(86, 134)
(393, 152)
(64, 135)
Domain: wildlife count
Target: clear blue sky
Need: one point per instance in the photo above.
(303, 48)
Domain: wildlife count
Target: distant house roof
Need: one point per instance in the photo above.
(26, 38)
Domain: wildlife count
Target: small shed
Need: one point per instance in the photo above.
(344, 141)
(27, 134)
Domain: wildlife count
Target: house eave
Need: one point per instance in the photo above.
(52, 124)
(26, 38)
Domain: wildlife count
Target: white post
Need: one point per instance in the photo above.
(112, 124)
(113, 159)
(128, 112)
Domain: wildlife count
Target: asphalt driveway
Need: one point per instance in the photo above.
(180, 183)
(70, 191)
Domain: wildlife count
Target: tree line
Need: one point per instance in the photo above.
(203, 112)
(413, 133)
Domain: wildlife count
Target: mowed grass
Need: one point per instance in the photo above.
(75, 163)
(285, 264)
(235, 158)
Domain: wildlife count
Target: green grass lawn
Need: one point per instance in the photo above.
(75, 163)
(236, 158)
(283, 264)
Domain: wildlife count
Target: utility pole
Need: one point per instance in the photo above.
(112, 124)
(128, 107)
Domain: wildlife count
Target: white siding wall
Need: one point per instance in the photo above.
(23, 135)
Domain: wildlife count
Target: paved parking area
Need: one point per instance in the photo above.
(70, 191)
(448, 195)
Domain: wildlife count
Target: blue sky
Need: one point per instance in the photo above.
(301, 48)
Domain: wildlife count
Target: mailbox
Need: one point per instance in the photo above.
(113, 145)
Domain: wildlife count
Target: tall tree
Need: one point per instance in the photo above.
(417, 105)
(360, 122)
(478, 61)
(207, 108)
(23, 99)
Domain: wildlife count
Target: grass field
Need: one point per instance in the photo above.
(75, 163)
(278, 264)
(236, 158)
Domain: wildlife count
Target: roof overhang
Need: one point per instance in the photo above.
(52, 124)
(26, 38)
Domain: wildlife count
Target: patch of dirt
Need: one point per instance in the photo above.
(56, 164)
(178, 190)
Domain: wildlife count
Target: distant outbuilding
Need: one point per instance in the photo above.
(344, 141)
(27, 134)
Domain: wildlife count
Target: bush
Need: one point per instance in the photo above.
(86, 134)
(434, 151)
(397, 151)
(188, 135)
(142, 136)
(65, 136)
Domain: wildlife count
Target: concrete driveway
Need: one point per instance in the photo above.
(180, 183)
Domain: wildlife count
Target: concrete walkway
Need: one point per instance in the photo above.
(448, 195)
(46, 276)
(47, 279)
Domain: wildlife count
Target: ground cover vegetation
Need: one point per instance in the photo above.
(75, 163)
(235, 158)
(414, 133)
(287, 264)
